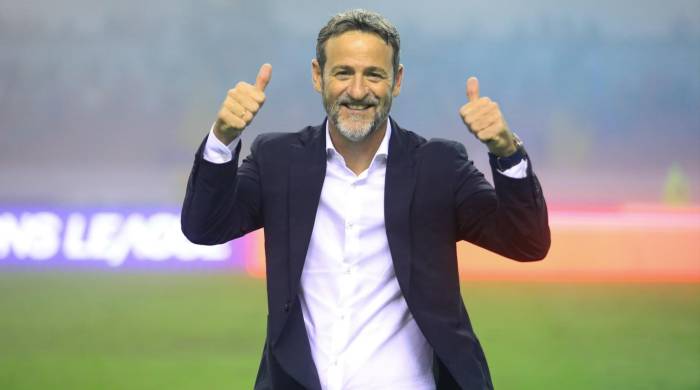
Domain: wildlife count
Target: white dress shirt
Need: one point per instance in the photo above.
(361, 333)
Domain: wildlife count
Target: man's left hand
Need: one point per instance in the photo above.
(484, 119)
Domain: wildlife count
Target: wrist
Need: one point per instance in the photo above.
(506, 147)
(503, 151)
(225, 136)
(510, 157)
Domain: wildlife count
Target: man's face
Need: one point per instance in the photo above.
(357, 83)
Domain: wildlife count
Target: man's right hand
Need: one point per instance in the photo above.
(241, 105)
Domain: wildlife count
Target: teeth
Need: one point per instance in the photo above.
(356, 107)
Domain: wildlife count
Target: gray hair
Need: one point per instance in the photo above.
(359, 20)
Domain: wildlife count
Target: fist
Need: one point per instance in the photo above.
(240, 106)
(484, 119)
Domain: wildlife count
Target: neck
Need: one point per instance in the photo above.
(357, 155)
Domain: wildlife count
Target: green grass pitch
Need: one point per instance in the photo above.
(91, 330)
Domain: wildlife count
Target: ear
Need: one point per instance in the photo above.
(397, 81)
(316, 75)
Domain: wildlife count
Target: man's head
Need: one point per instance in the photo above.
(357, 71)
(359, 20)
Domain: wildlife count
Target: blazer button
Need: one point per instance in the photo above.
(286, 307)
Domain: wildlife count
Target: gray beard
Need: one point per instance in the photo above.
(354, 132)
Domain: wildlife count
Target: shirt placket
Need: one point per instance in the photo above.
(340, 332)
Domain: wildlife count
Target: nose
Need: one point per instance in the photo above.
(358, 89)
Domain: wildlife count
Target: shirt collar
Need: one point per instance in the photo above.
(382, 151)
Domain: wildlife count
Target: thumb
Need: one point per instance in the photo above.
(264, 76)
(472, 88)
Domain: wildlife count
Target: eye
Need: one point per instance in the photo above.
(342, 74)
(375, 77)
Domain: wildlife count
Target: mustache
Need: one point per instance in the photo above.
(367, 101)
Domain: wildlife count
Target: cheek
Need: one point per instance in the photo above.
(384, 94)
(332, 92)
(382, 90)
(328, 95)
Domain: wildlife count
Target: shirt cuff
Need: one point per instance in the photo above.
(517, 171)
(216, 151)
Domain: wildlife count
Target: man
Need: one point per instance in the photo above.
(361, 218)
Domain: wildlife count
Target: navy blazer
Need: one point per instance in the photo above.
(434, 197)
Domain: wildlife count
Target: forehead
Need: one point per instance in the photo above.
(358, 48)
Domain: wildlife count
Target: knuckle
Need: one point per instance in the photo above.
(228, 123)
(243, 102)
(246, 88)
(228, 117)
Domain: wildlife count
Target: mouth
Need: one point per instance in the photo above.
(357, 108)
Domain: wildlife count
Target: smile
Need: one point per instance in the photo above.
(357, 107)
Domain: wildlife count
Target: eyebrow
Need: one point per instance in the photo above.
(369, 69)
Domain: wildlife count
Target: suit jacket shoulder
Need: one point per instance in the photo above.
(280, 141)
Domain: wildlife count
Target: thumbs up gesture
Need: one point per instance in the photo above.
(484, 119)
(240, 106)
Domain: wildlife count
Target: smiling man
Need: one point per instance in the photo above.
(365, 105)
(361, 222)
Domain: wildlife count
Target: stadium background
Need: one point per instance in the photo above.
(102, 105)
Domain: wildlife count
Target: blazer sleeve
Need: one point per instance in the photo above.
(222, 201)
(510, 219)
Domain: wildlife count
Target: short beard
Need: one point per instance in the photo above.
(356, 134)
(359, 132)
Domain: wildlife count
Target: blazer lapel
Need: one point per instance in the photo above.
(398, 195)
(307, 172)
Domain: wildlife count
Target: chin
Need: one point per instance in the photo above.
(354, 133)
